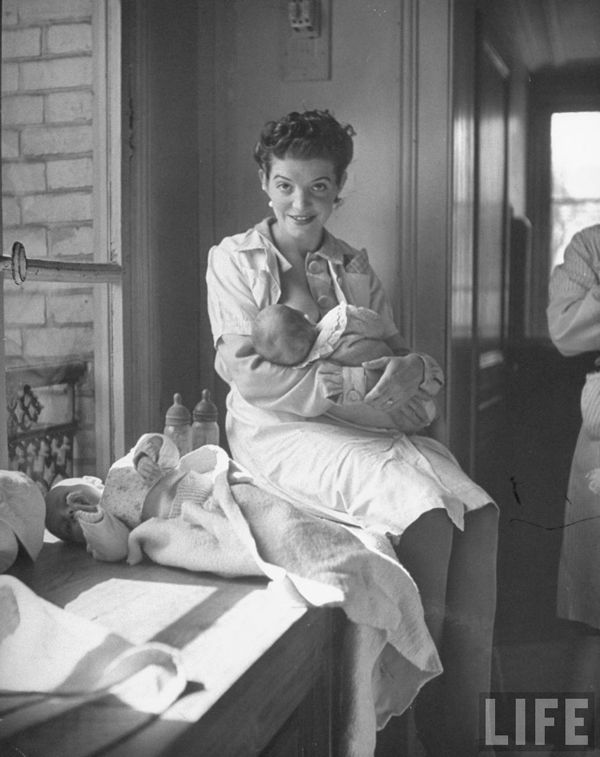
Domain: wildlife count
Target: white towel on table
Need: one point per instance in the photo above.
(47, 650)
(388, 652)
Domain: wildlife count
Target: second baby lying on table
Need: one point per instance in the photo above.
(152, 481)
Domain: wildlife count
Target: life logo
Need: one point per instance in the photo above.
(518, 721)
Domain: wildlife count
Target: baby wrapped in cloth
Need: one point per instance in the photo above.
(347, 335)
(151, 482)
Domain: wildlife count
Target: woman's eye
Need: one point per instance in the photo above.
(284, 187)
(320, 187)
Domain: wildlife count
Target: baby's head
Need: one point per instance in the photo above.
(283, 335)
(65, 499)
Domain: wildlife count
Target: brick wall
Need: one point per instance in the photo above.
(47, 165)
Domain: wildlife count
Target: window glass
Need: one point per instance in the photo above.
(57, 156)
(575, 176)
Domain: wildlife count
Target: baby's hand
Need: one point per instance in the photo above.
(148, 469)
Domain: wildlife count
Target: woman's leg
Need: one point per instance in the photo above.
(456, 575)
(468, 630)
(424, 550)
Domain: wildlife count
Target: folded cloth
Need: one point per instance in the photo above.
(388, 652)
(22, 514)
(47, 650)
(350, 335)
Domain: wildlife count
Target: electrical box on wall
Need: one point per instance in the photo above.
(306, 40)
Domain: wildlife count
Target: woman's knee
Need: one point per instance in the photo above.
(425, 546)
(432, 528)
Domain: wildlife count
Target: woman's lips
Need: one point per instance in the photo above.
(302, 219)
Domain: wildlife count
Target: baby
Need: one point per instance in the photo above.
(151, 481)
(347, 335)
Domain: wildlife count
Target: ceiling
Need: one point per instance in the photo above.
(548, 33)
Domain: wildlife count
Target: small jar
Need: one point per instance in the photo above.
(178, 425)
(205, 429)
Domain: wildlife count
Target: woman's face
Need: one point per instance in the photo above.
(302, 193)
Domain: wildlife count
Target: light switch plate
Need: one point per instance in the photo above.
(306, 58)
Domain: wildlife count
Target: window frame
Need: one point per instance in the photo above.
(107, 265)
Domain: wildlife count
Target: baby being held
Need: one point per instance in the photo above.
(347, 335)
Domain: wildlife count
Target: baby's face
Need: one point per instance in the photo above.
(63, 501)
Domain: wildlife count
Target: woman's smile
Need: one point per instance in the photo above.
(301, 220)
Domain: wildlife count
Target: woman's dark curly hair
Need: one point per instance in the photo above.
(312, 134)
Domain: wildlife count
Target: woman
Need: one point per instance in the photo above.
(287, 425)
(574, 325)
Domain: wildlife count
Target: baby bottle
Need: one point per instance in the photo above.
(178, 425)
(205, 429)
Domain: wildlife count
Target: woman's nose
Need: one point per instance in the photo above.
(301, 199)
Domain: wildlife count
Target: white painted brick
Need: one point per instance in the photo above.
(69, 38)
(23, 109)
(72, 308)
(21, 43)
(73, 206)
(31, 11)
(21, 178)
(10, 144)
(69, 106)
(10, 15)
(55, 342)
(13, 342)
(10, 77)
(11, 215)
(20, 309)
(52, 74)
(56, 140)
(69, 241)
(68, 174)
(33, 238)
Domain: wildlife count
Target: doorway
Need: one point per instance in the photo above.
(535, 647)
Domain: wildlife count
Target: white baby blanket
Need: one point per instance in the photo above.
(388, 652)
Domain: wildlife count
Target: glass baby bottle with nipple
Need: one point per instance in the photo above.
(205, 429)
(178, 425)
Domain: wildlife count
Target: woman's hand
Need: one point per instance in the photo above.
(398, 384)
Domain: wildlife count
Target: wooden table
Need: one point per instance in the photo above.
(259, 669)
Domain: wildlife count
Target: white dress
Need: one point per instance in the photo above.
(574, 324)
(280, 420)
